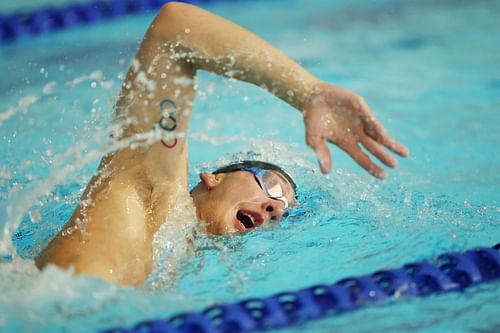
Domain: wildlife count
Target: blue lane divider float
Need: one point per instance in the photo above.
(449, 272)
(40, 21)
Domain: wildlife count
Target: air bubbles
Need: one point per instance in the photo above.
(201, 94)
(5, 173)
(94, 76)
(210, 88)
(49, 87)
(135, 65)
(35, 215)
(24, 164)
(93, 84)
(210, 124)
(107, 84)
(187, 30)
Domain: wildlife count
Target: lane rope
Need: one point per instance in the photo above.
(16, 25)
(448, 272)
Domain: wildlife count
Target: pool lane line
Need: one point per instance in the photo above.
(453, 271)
(18, 24)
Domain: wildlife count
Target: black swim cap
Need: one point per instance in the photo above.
(238, 166)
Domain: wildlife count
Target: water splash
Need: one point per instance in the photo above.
(22, 199)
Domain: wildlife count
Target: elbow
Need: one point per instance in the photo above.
(174, 15)
(173, 8)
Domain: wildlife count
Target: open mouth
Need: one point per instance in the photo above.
(249, 220)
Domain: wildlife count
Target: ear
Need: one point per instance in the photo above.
(210, 180)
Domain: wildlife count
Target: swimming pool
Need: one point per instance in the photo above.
(435, 86)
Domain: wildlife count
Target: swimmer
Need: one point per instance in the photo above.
(135, 188)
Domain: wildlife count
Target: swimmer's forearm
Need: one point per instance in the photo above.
(212, 43)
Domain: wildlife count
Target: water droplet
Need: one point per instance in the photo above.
(35, 216)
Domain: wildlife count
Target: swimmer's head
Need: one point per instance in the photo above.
(242, 196)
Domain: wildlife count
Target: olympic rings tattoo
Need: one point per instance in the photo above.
(167, 122)
(166, 145)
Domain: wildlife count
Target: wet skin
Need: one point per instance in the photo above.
(234, 202)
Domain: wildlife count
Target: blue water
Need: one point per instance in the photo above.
(429, 69)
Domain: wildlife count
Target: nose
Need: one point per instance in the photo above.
(274, 209)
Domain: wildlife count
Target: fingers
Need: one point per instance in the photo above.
(364, 161)
(376, 149)
(377, 132)
(318, 144)
(374, 129)
(393, 145)
(396, 147)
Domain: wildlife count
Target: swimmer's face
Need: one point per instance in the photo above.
(234, 202)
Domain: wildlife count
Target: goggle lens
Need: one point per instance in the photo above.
(271, 185)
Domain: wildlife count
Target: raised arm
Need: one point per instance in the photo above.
(181, 40)
(205, 41)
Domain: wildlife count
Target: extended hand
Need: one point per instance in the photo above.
(343, 118)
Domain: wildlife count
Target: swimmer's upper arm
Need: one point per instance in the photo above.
(115, 245)
(159, 90)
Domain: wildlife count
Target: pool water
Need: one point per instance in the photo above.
(429, 69)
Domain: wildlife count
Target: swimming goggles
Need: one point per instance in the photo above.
(267, 180)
